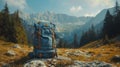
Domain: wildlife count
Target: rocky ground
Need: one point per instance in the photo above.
(15, 55)
(54, 63)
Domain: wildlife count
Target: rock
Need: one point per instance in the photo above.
(16, 46)
(118, 63)
(116, 59)
(35, 63)
(98, 45)
(80, 53)
(90, 64)
(31, 48)
(76, 53)
(53, 61)
(90, 53)
(103, 49)
(10, 53)
(99, 55)
(63, 58)
(5, 65)
(78, 63)
(99, 64)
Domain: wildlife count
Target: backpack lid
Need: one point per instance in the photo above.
(44, 24)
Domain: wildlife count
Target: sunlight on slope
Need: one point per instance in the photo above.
(101, 53)
(6, 46)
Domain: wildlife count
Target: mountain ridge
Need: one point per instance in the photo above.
(53, 17)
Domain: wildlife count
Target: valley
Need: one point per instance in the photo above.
(74, 34)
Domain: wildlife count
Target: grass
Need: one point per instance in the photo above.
(20, 53)
(102, 53)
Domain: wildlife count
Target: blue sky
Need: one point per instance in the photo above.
(70, 7)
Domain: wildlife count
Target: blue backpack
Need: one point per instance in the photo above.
(44, 40)
(44, 35)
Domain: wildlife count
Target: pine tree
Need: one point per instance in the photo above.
(92, 34)
(11, 28)
(88, 36)
(117, 8)
(108, 23)
(0, 23)
(4, 21)
(83, 40)
(61, 43)
(20, 34)
(116, 24)
(75, 45)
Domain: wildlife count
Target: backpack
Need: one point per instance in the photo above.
(44, 40)
(44, 35)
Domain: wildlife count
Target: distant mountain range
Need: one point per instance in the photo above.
(53, 17)
(66, 25)
(97, 21)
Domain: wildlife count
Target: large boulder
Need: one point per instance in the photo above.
(90, 64)
(35, 63)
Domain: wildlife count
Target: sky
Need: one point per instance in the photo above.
(70, 7)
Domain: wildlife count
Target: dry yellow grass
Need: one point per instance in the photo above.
(103, 53)
(20, 53)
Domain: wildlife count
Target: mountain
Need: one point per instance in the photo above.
(97, 21)
(99, 26)
(53, 17)
(65, 24)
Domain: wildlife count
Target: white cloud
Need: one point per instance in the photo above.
(103, 3)
(19, 4)
(74, 9)
(93, 3)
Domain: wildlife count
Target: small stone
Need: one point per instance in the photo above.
(118, 63)
(5, 65)
(115, 59)
(16, 46)
(103, 49)
(63, 58)
(10, 53)
(54, 60)
(99, 55)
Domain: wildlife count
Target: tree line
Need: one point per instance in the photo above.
(112, 23)
(11, 28)
(111, 26)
